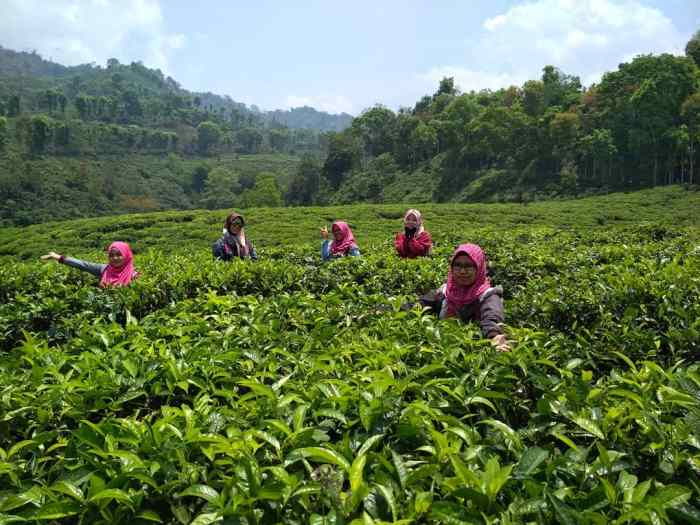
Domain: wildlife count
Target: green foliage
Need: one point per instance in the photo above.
(636, 128)
(40, 134)
(375, 128)
(30, 189)
(222, 189)
(266, 192)
(293, 391)
(692, 48)
(13, 106)
(208, 137)
(199, 178)
(310, 118)
(3, 132)
(368, 185)
(568, 177)
(249, 139)
(343, 156)
(625, 132)
(305, 184)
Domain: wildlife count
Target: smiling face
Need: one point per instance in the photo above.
(463, 270)
(337, 233)
(116, 258)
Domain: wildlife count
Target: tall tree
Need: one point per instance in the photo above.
(305, 184)
(376, 129)
(692, 48)
(266, 192)
(564, 130)
(14, 106)
(40, 133)
(222, 189)
(343, 156)
(208, 137)
(62, 101)
(250, 139)
(690, 113)
(3, 132)
(560, 89)
(533, 97)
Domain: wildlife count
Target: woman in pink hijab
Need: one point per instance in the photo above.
(119, 271)
(343, 243)
(468, 295)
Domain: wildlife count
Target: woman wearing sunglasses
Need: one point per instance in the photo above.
(468, 295)
(234, 243)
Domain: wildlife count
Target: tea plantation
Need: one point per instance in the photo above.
(293, 391)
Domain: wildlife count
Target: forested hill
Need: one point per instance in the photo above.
(90, 140)
(550, 137)
(24, 72)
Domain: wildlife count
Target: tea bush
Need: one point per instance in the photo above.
(292, 391)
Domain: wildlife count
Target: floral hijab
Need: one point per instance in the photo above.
(418, 218)
(235, 244)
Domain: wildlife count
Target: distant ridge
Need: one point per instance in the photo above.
(24, 64)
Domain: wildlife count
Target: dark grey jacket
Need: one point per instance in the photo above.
(95, 269)
(487, 310)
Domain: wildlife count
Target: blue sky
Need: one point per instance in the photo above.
(347, 56)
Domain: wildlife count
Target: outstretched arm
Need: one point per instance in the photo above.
(492, 322)
(95, 269)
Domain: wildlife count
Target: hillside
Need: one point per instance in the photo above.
(27, 73)
(290, 391)
(374, 225)
(49, 189)
(547, 139)
(90, 140)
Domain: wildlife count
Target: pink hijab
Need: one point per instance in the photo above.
(457, 296)
(112, 276)
(345, 244)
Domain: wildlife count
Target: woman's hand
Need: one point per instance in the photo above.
(324, 233)
(51, 255)
(501, 343)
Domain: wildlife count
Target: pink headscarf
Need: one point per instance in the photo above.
(345, 244)
(457, 296)
(112, 276)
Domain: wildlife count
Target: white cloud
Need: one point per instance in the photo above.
(581, 37)
(323, 102)
(74, 31)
